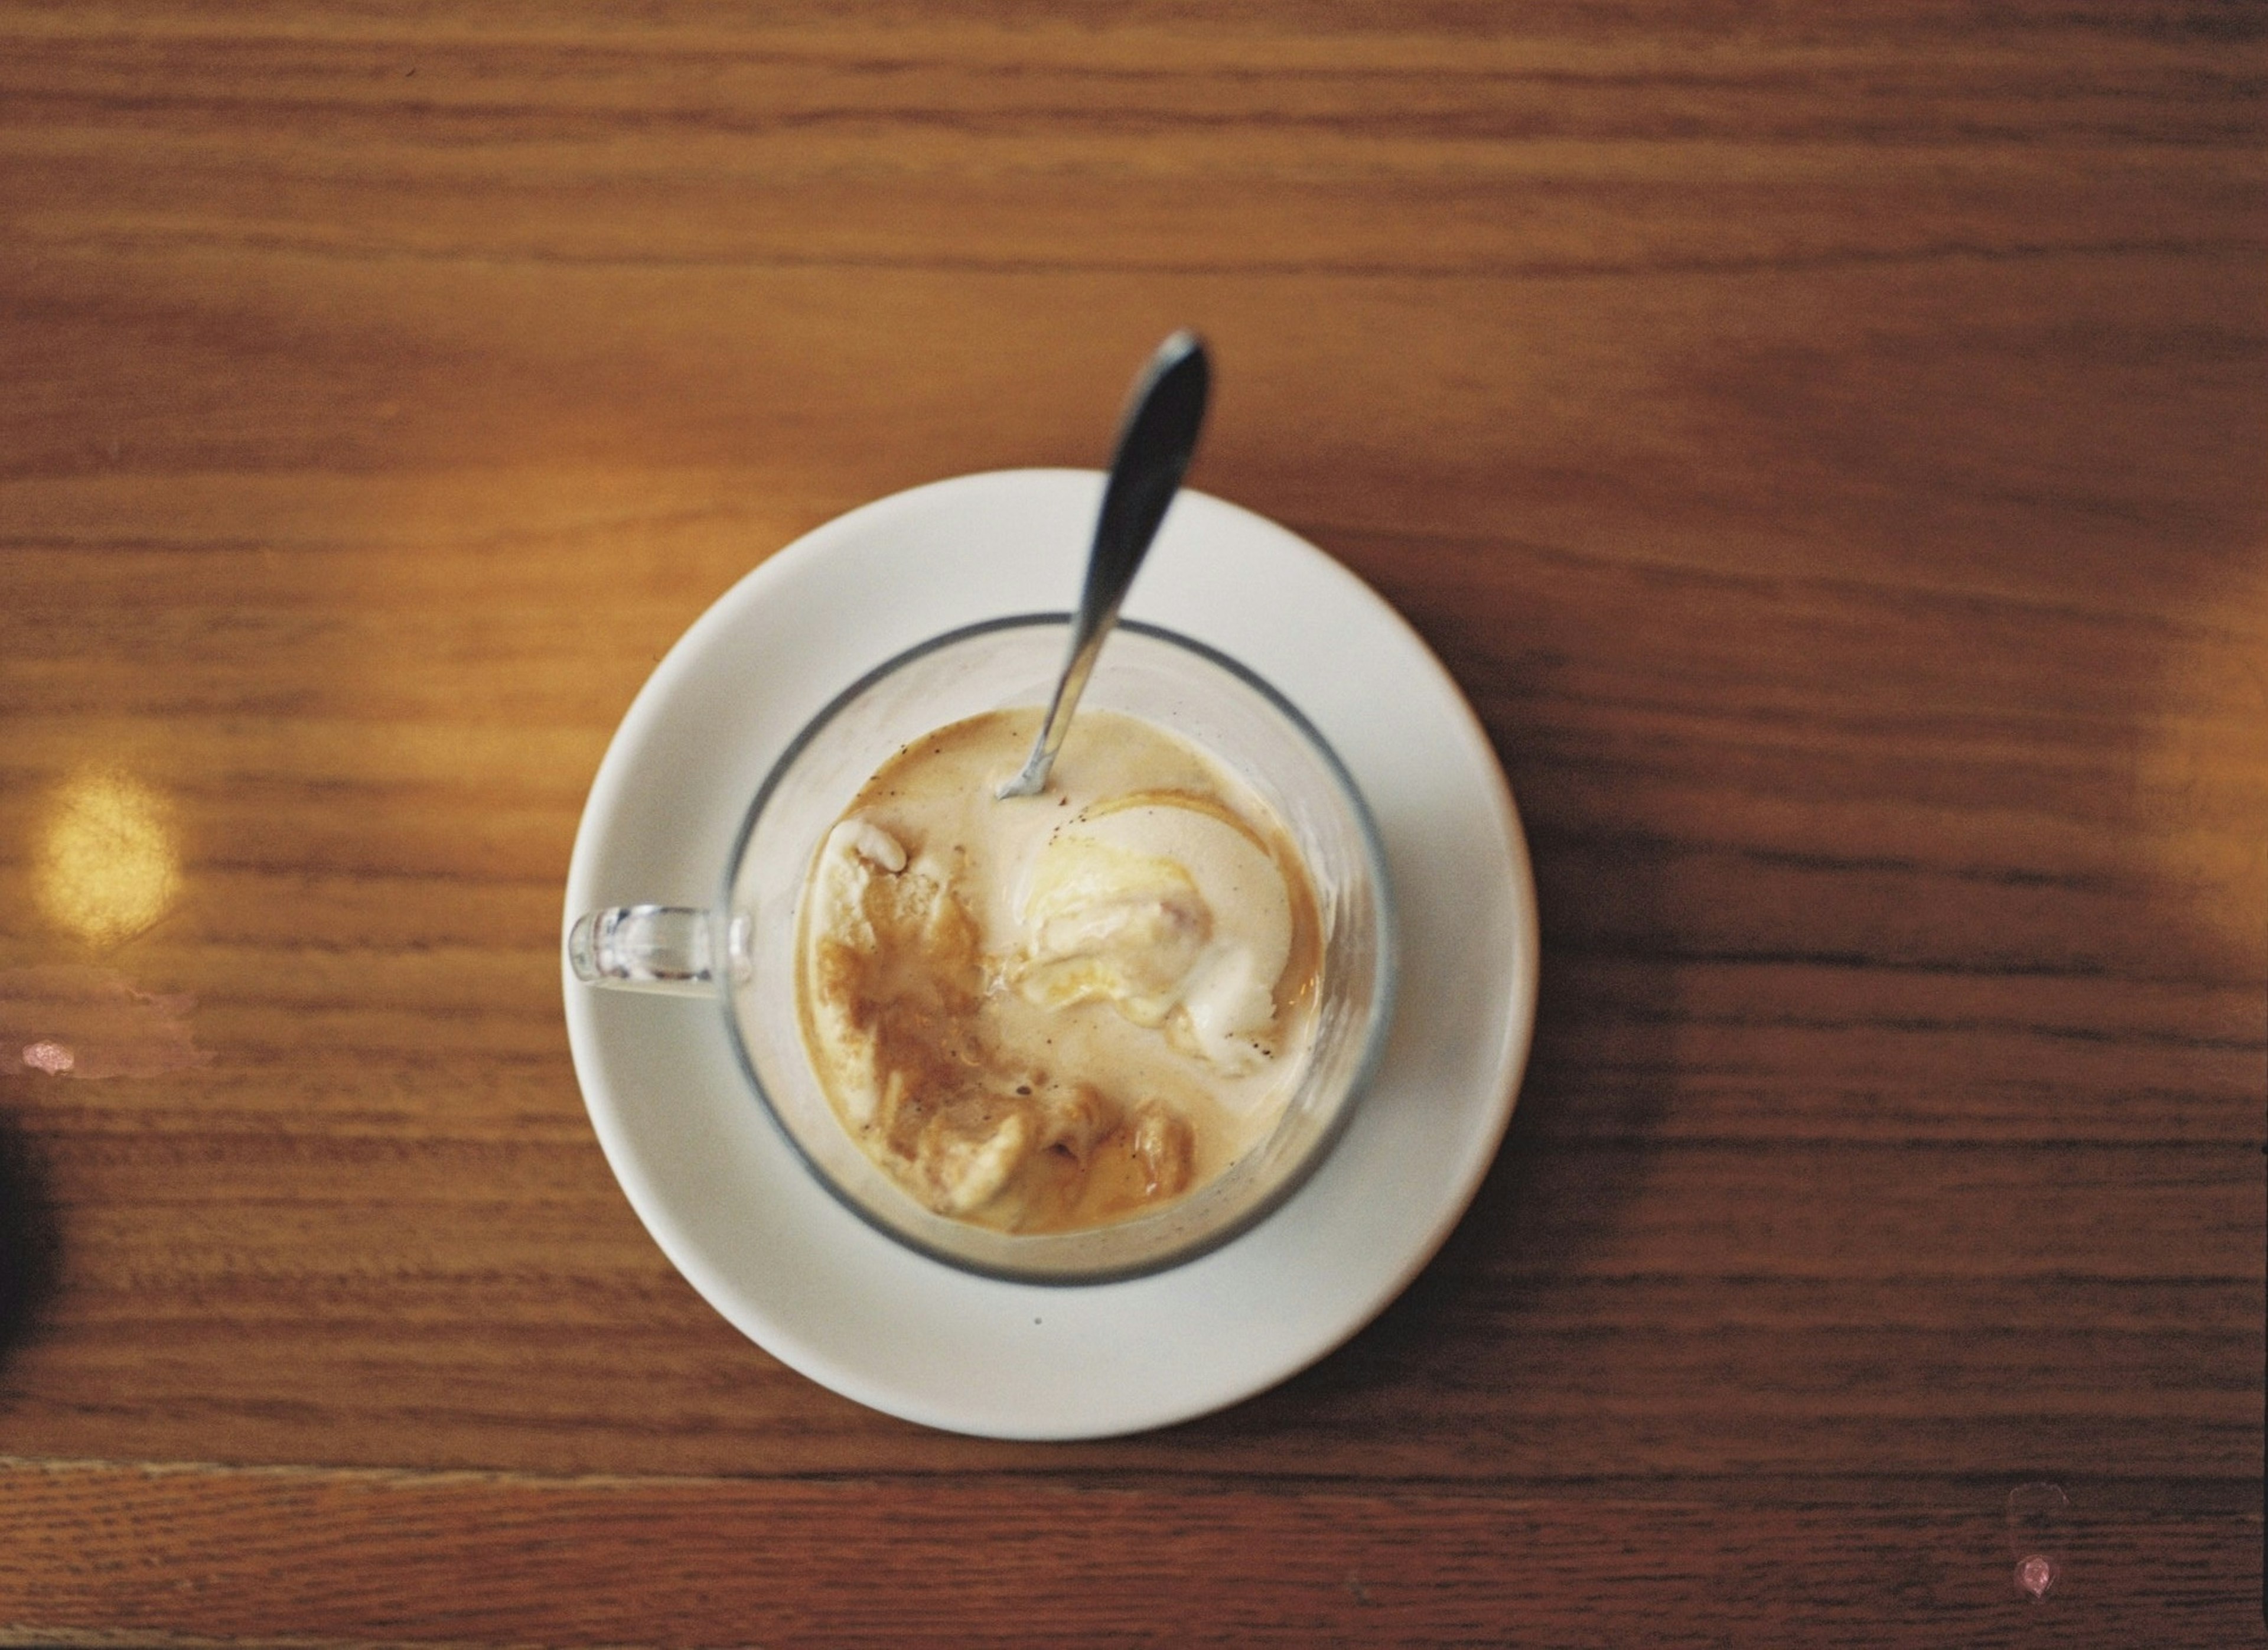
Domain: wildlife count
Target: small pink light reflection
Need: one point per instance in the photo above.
(69, 1019)
(53, 1059)
(2038, 1532)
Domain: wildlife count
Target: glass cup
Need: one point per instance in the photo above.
(742, 952)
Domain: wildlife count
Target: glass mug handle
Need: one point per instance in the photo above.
(673, 949)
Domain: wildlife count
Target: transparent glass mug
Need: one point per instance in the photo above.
(742, 952)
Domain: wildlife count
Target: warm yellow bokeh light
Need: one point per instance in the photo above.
(2201, 784)
(107, 867)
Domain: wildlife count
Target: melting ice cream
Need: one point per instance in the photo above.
(1057, 1011)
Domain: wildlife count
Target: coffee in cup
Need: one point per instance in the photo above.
(1200, 1080)
(1046, 1012)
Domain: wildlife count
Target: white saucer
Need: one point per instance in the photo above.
(731, 1205)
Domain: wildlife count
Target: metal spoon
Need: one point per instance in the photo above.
(1163, 417)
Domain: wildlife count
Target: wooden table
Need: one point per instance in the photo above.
(1827, 444)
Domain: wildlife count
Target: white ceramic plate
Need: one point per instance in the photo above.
(731, 1205)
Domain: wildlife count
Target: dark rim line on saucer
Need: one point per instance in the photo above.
(1388, 968)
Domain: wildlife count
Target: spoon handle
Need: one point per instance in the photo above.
(1163, 417)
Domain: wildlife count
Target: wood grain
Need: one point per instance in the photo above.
(677, 1563)
(1828, 445)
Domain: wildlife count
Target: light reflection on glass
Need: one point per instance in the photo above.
(108, 867)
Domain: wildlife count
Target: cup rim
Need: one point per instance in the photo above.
(1387, 972)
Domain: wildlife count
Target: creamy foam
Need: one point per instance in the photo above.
(1054, 1012)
